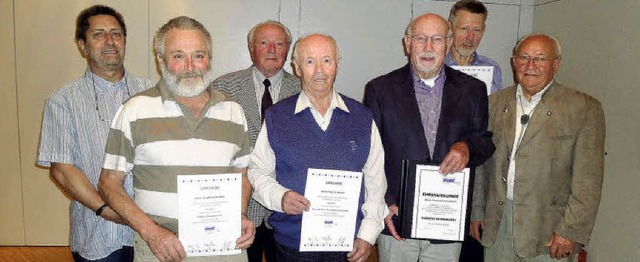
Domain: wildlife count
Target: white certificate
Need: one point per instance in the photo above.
(482, 73)
(440, 204)
(330, 223)
(209, 213)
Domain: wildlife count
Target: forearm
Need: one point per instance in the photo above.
(76, 185)
(112, 191)
(246, 189)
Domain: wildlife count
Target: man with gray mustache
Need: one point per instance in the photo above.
(182, 126)
(427, 111)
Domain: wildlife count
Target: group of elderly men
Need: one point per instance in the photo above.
(116, 143)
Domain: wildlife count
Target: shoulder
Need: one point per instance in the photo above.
(64, 92)
(570, 96)
(462, 81)
(140, 83)
(487, 61)
(355, 107)
(402, 73)
(241, 75)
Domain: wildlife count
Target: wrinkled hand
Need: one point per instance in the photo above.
(164, 244)
(110, 215)
(393, 210)
(474, 229)
(294, 203)
(248, 233)
(456, 159)
(361, 251)
(560, 247)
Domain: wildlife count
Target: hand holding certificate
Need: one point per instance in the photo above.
(209, 213)
(330, 223)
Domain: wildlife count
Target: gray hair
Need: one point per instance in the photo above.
(268, 22)
(331, 39)
(182, 23)
(558, 47)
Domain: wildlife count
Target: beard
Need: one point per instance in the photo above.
(173, 81)
(428, 70)
(465, 51)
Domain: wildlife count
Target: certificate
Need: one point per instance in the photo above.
(440, 204)
(209, 210)
(330, 223)
(482, 73)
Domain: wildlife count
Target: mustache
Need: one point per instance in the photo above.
(189, 74)
(427, 55)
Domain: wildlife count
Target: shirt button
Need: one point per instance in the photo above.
(500, 202)
(504, 180)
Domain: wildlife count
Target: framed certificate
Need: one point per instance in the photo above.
(209, 213)
(330, 223)
(433, 206)
(482, 73)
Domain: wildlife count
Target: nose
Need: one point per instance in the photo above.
(469, 35)
(271, 47)
(109, 38)
(189, 64)
(530, 63)
(429, 44)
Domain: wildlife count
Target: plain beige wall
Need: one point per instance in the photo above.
(601, 39)
(11, 223)
(601, 56)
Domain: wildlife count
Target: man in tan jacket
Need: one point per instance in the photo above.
(537, 197)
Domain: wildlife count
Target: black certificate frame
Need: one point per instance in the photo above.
(406, 201)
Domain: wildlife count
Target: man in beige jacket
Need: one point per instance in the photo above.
(537, 197)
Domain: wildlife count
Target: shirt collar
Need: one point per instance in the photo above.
(260, 77)
(535, 98)
(102, 83)
(450, 61)
(416, 80)
(304, 103)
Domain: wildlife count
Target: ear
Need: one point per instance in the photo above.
(407, 44)
(296, 69)
(81, 45)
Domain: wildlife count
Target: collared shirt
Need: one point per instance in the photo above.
(429, 100)
(157, 138)
(269, 193)
(75, 132)
(480, 60)
(274, 89)
(523, 106)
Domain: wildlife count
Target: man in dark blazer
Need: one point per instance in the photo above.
(537, 197)
(256, 88)
(427, 111)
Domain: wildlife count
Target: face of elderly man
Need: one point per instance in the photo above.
(269, 49)
(185, 64)
(427, 45)
(316, 63)
(468, 29)
(534, 75)
(105, 43)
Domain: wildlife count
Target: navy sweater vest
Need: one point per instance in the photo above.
(300, 144)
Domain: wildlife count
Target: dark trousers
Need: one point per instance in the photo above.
(286, 254)
(125, 254)
(263, 243)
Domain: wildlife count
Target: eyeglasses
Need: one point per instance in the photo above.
(435, 39)
(537, 60)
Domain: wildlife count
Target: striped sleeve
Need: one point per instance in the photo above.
(119, 152)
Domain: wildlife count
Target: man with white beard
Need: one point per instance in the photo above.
(182, 126)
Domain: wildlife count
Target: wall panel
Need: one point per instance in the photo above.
(11, 223)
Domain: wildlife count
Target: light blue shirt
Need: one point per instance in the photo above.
(480, 60)
(75, 132)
